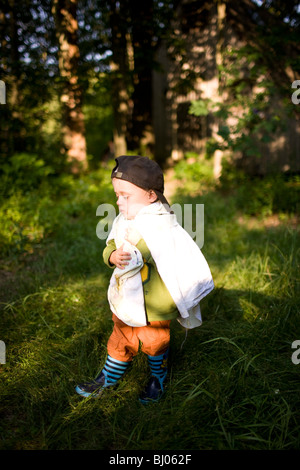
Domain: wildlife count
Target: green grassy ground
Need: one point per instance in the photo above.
(232, 383)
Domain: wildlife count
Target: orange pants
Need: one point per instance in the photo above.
(124, 341)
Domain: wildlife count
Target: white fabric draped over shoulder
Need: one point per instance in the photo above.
(178, 259)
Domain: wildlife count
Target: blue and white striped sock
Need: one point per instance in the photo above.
(113, 370)
(158, 366)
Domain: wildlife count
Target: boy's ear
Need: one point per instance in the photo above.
(152, 196)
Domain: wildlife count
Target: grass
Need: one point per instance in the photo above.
(232, 383)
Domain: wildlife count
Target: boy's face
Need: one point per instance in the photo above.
(130, 198)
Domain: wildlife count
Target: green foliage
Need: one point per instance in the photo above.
(193, 171)
(98, 114)
(267, 195)
(27, 208)
(199, 108)
(253, 113)
(30, 212)
(23, 172)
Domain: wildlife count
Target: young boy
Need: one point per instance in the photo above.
(159, 274)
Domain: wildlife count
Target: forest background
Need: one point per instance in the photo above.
(210, 91)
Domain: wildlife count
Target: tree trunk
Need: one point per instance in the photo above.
(73, 128)
(141, 130)
(14, 140)
(119, 73)
(221, 17)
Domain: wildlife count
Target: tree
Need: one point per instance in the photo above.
(73, 128)
(28, 68)
(119, 65)
(11, 69)
(142, 23)
(135, 32)
(256, 58)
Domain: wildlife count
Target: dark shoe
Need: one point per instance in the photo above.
(153, 391)
(94, 388)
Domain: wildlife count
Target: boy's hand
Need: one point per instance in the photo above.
(133, 236)
(119, 258)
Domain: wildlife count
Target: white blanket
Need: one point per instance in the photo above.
(178, 259)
